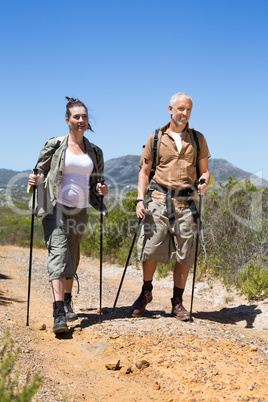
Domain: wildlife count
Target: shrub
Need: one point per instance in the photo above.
(163, 269)
(253, 281)
(9, 376)
(235, 230)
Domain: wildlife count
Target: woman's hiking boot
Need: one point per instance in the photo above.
(139, 305)
(59, 321)
(70, 315)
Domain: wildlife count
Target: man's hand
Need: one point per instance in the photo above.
(202, 187)
(140, 209)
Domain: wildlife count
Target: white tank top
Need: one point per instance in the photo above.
(74, 185)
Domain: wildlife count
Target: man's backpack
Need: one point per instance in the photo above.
(156, 141)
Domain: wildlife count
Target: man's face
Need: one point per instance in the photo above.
(181, 111)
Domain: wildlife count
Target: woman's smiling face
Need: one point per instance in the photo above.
(78, 120)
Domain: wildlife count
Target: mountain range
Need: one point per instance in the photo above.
(124, 170)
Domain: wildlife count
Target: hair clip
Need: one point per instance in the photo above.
(71, 100)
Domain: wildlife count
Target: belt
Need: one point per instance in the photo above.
(185, 193)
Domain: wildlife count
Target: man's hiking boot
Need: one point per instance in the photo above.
(59, 321)
(139, 305)
(178, 310)
(70, 315)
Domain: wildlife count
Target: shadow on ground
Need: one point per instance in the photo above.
(232, 315)
(119, 313)
(90, 317)
(2, 276)
(7, 300)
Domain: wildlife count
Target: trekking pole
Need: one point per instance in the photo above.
(101, 236)
(31, 251)
(202, 181)
(128, 258)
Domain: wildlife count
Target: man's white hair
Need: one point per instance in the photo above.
(174, 98)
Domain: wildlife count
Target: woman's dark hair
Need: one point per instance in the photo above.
(72, 103)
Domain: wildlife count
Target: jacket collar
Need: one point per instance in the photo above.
(166, 128)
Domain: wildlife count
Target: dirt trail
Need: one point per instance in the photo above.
(221, 356)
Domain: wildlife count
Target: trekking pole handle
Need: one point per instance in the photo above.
(35, 171)
(101, 181)
(202, 181)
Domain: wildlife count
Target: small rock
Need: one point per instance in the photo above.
(42, 327)
(126, 370)
(142, 364)
(253, 348)
(112, 366)
(134, 369)
(103, 311)
(156, 387)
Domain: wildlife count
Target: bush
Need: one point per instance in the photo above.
(16, 229)
(9, 376)
(164, 269)
(118, 231)
(235, 229)
(253, 281)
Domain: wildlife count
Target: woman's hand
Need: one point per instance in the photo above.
(34, 179)
(102, 189)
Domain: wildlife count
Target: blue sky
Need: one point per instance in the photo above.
(125, 59)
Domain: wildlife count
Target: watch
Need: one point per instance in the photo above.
(138, 200)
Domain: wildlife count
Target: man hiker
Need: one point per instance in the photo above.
(169, 227)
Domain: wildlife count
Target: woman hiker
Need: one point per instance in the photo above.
(70, 170)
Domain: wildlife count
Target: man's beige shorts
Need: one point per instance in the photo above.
(161, 242)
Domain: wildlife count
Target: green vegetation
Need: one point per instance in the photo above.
(118, 231)
(233, 242)
(253, 281)
(15, 229)
(10, 388)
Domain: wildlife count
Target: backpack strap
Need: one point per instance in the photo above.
(185, 193)
(196, 141)
(56, 146)
(155, 149)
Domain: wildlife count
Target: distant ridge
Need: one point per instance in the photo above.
(7, 174)
(125, 169)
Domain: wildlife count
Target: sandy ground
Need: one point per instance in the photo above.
(221, 356)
